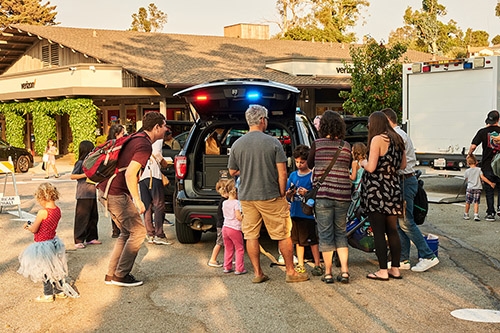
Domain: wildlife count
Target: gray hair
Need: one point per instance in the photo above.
(254, 114)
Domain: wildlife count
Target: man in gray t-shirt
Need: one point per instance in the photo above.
(260, 162)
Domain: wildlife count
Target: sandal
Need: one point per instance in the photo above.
(327, 278)
(342, 278)
(79, 246)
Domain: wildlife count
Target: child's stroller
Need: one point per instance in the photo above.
(359, 231)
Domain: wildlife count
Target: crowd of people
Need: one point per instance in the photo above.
(382, 171)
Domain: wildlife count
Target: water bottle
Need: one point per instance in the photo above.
(310, 202)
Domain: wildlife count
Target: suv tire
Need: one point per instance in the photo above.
(185, 234)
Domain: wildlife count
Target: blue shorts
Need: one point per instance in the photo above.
(472, 196)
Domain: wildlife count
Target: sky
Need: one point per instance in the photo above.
(208, 17)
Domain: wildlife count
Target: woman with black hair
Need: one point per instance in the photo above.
(382, 198)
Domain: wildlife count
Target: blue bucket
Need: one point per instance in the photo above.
(433, 243)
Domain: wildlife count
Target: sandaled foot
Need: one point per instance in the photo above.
(343, 277)
(328, 278)
(397, 277)
(260, 279)
(374, 276)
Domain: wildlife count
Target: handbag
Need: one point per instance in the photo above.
(45, 158)
(309, 199)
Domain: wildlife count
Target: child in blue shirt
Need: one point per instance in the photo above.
(303, 226)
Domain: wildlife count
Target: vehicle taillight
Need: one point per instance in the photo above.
(180, 163)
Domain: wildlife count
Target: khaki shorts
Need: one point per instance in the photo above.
(275, 213)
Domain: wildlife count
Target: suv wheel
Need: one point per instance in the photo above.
(185, 234)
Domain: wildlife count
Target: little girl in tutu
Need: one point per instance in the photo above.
(45, 259)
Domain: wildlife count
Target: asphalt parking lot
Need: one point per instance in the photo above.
(182, 294)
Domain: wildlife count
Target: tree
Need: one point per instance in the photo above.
(376, 78)
(321, 20)
(26, 12)
(496, 40)
(150, 20)
(433, 35)
(476, 38)
(293, 14)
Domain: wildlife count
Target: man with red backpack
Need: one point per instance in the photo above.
(124, 202)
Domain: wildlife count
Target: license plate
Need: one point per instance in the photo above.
(439, 163)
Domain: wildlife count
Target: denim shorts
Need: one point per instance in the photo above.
(331, 219)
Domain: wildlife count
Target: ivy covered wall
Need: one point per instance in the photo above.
(82, 120)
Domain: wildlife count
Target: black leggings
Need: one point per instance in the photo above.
(383, 224)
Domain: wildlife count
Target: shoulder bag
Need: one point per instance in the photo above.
(309, 199)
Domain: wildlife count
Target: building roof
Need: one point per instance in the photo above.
(182, 60)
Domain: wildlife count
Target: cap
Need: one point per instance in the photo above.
(492, 118)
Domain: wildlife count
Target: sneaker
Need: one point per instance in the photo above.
(150, 239)
(61, 295)
(498, 211)
(281, 260)
(405, 264)
(214, 264)
(126, 281)
(168, 223)
(476, 217)
(227, 271)
(108, 279)
(317, 271)
(45, 298)
(402, 265)
(425, 264)
(240, 273)
(466, 216)
(161, 241)
(490, 218)
(300, 269)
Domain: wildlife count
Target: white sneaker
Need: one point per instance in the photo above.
(466, 216)
(476, 217)
(161, 241)
(150, 239)
(405, 264)
(402, 265)
(425, 264)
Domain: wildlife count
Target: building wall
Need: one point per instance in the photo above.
(33, 59)
(247, 31)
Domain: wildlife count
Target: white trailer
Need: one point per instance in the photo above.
(445, 103)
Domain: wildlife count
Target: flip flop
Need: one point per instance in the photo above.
(94, 242)
(260, 279)
(374, 276)
(397, 277)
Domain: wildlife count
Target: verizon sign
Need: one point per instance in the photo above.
(28, 84)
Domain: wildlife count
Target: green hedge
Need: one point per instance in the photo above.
(82, 120)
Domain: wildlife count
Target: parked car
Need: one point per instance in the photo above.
(221, 107)
(356, 129)
(22, 158)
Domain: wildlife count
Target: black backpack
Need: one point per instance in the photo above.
(420, 204)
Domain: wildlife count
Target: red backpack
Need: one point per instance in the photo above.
(100, 163)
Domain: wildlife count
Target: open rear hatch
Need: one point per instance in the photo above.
(230, 98)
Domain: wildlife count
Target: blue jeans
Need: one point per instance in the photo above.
(408, 230)
(490, 192)
(331, 218)
(132, 234)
